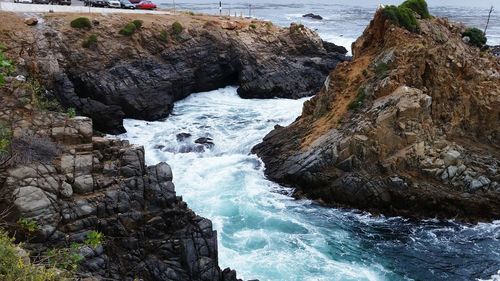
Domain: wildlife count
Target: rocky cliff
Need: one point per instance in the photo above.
(409, 127)
(114, 76)
(59, 183)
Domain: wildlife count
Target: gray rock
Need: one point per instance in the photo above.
(452, 171)
(30, 199)
(83, 184)
(450, 157)
(475, 185)
(66, 190)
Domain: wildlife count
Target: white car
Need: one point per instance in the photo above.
(24, 1)
(113, 3)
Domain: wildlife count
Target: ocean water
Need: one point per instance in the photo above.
(265, 234)
(344, 20)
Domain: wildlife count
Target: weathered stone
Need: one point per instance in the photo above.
(30, 199)
(83, 184)
(450, 157)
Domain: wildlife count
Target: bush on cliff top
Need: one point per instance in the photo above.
(418, 6)
(129, 29)
(404, 14)
(477, 37)
(90, 42)
(137, 23)
(177, 28)
(401, 16)
(81, 22)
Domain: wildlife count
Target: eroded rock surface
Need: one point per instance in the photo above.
(90, 183)
(409, 127)
(142, 75)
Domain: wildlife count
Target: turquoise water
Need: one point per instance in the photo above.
(265, 234)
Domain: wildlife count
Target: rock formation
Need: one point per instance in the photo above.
(70, 183)
(409, 127)
(142, 75)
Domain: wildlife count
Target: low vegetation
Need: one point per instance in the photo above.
(164, 36)
(128, 29)
(359, 100)
(39, 98)
(14, 267)
(381, 70)
(417, 6)
(5, 138)
(90, 42)
(29, 225)
(476, 37)
(6, 67)
(71, 112)
(177, 28)
(81, 22)
(252, 26)
(404, 14)
(137, 23)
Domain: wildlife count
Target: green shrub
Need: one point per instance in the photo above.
(81, 22)
(401, 16)
(128, 30)
(477, 37)
(94, 239)
(13, 267)
(177, 28)
(164, 37)
(5, 138)
(28, 224)
(190, 13)
(252, 26)
(418, 6)
(90, 42)
(381, 70)
(358, 101)
(137, 23)
(39, 100)
(6, 67)
(71, 112)
(65, 258)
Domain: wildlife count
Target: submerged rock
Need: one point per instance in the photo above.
(312, 16)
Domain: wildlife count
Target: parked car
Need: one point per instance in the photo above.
(113, 3)
(135, 1)
(146, 5)
(95, 3)
(24, 1)
(61, 2)
(41, 1)
(126, 4)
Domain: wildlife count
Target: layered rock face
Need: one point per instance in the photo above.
(140, 76)
(71, 183)
(409, 127)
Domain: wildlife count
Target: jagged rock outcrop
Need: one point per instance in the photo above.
(142, 75)
(70, 183)
(409, 127)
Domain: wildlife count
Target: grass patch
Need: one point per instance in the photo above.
(6, 67)
(381, 70)
(128, 29)
(90, 42)
(177, 28)
(359, 100)
(81, 22)
(477, 37)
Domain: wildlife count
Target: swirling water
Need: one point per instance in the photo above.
(265, 234)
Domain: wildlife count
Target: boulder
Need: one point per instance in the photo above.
(312, 16)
